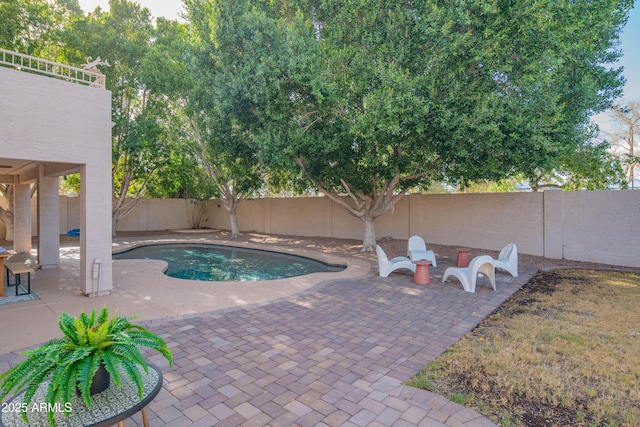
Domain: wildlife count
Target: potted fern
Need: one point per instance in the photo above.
(91, 344)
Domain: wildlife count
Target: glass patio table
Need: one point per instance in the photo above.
(109, 407)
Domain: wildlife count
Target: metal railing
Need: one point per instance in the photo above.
(29, 63)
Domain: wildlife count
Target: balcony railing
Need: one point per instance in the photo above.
(29, 63)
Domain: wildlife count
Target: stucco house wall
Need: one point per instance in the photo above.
(49, 128)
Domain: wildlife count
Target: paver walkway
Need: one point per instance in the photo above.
(335, 355)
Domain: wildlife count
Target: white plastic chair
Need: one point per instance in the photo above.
(508, 259)
(468, 276)
(386, 266)
(417, 249)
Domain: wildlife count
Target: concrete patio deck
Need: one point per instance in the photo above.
(330, 353)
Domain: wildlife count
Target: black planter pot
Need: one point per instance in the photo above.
(100, 383)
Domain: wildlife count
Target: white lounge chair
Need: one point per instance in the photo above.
(508, 259)
(386, 266)
(417, 249)
(468, 276)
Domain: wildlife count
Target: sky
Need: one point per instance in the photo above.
(631, 55)
(169, 9)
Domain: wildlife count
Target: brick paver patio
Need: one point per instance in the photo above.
(335, 355)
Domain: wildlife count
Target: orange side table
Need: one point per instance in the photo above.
(463, 257)
(421, 277)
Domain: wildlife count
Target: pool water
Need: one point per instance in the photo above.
(227, 264)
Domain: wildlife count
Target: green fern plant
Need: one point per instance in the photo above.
(71, 362)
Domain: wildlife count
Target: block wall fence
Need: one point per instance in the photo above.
(592, 226)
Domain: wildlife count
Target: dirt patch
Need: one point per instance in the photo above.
(557, 353)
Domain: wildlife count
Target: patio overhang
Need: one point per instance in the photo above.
(26, 171)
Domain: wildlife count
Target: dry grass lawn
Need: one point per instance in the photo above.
(563, 351)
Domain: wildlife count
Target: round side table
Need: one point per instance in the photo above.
(463, 257)
(111, 406)
(421, 276)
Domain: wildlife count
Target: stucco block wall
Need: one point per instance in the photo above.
(394, 224)
(602, 226)
(256, 215)
(343, 224)
(72, 221)
(553, 232)
(594, 226)
(217, 217)
(306, 215)
(487, 221)
(158, 214)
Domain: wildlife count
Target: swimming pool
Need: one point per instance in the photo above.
(227, 263)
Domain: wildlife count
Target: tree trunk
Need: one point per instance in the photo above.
(6, 215)
(369, 241)
(7, 218)
(234, 223)
(121, 208)
(231, 201)
(367, 206)
(114, 224)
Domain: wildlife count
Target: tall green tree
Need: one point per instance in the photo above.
(166, 70)
(371, 98)
(221, 125)
(140, 69)
(36, 27)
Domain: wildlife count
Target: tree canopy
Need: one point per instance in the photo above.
(146, 62)
(370, 98)
(221, 122)
(363, 100)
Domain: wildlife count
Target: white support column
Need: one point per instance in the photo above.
(96, 274)
(21, 217)
(48, 221)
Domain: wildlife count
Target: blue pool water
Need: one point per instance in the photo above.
(227, 264)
